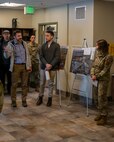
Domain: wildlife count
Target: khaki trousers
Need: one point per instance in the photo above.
(19, 71)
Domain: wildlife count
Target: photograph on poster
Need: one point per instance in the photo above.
(80, 63)
(64, 51)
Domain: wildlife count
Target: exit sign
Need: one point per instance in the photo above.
(29, 10)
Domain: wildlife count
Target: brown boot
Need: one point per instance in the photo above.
(98, 117)
(102, 121)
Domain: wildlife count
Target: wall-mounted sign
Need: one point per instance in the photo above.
(29, 10)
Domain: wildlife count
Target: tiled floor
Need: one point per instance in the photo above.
(55, 124)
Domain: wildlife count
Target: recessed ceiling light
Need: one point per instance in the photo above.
(8, 4)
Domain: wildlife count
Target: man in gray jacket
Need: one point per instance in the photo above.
(20, 65)
(50, 59)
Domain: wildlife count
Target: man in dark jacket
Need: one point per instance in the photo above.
(5, 63)
(50, 58)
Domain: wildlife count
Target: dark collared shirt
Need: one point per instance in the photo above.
(19, 51)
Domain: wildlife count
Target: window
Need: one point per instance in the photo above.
(80, 12)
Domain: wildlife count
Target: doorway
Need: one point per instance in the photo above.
(43, 27)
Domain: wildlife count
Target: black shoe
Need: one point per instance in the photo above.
(14, 104)
(37, 89)
(40, 101)
(49, 103)
(24, 103)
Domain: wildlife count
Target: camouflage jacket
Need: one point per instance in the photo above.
(34, 53)
(101, 66)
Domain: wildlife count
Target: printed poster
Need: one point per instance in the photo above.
(64, 51)
(80, 62)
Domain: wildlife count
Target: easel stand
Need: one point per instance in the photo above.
(84, 45)
(59, 84)
(85, 93)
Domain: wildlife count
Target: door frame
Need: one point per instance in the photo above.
(45, 24)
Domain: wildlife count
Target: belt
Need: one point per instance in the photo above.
(19, 63)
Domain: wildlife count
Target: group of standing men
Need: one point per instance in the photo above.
(18, 59)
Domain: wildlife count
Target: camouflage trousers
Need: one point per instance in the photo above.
(1, 96)
(100, 97)
(34, 76)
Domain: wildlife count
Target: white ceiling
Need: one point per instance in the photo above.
(43, 3)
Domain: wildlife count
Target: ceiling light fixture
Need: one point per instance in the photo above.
(9, 4)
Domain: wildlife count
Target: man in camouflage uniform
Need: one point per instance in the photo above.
(101, 72)
(34, 53)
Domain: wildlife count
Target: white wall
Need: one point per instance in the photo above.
(6, 16)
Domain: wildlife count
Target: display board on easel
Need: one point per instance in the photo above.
(80, 62)
(64, 51)
(80, 66)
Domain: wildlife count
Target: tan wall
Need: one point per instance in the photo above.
(104, 21)
(56, 14)
(6, 16)
(80, 29)
(103, 24)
